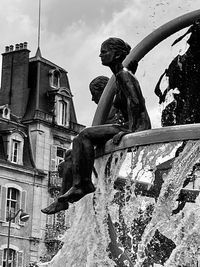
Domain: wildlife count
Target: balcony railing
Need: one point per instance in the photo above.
(54, 180)
(51, 233)
(55, 231)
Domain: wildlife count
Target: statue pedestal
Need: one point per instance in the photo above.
(146, 207)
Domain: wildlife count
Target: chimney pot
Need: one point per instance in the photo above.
(7, 48)
(11, 47)
(25, 45)
(17, 47)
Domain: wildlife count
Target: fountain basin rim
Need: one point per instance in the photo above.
(153, 136)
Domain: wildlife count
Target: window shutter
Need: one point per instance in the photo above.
(23, 205)
(53, 158)
(3, 203)
(1, 258)
(20, 258)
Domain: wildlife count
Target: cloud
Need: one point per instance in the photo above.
(72, 31)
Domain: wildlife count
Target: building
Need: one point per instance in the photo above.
(37, 125)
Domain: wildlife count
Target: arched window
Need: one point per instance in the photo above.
(12, 204)
(15, 256)
(62, 116)
(13, 198)
(15, 147)
(62, 111)
(12, 258)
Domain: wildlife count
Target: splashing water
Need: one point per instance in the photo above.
(146, 231)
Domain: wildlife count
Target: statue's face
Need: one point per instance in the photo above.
(96, 94)
(107, 55)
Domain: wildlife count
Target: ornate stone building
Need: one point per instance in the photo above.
(37, 125)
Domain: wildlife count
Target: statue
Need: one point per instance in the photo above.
(128, 99)
(184, 79)
(96, 87)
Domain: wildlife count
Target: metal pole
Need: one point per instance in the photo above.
(8, 244)
(9, 226)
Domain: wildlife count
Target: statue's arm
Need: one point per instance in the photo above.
(132, 92)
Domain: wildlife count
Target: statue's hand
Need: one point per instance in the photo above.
(117, 138)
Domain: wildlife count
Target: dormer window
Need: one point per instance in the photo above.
(5, 112)
(62, 110)
(15, 153)
(55, 78)
(15, 148)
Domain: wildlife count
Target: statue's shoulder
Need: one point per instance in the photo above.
(126, 75)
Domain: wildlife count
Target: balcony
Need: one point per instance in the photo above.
(55, 182)
(56, 230)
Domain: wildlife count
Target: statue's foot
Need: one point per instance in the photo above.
(72, 195)
(55, 207)
(75, 193)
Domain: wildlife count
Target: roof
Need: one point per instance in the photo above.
(38, 57)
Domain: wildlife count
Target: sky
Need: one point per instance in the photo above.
(72, 31)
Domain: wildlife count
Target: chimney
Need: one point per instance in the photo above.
(14, 82)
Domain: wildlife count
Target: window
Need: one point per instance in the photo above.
(57, 155)
(62, 111)
(12, 258)
(13, 198)
(15, 147)
(62, 116)
(60, 155)
(12, 203)
(15, 151)
(55, 78)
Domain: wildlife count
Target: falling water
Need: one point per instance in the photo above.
(183, 228)
(143, 230)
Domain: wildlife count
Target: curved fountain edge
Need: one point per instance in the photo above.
(153, 136)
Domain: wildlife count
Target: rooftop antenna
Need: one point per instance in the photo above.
(39, 23)
(38, 53)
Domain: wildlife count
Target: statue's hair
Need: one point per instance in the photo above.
(98, 83)
(118, 45)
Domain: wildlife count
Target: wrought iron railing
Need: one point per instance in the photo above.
(54, 180)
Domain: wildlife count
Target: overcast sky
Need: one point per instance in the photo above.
(73, 30)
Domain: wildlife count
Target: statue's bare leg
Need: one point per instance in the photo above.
(83, 159)
(65, 171)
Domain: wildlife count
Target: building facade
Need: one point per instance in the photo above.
(37, 125)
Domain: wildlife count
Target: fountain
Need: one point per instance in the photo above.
(146, 207)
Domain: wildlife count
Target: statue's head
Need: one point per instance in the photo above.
(97, 86)
(114, 50)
